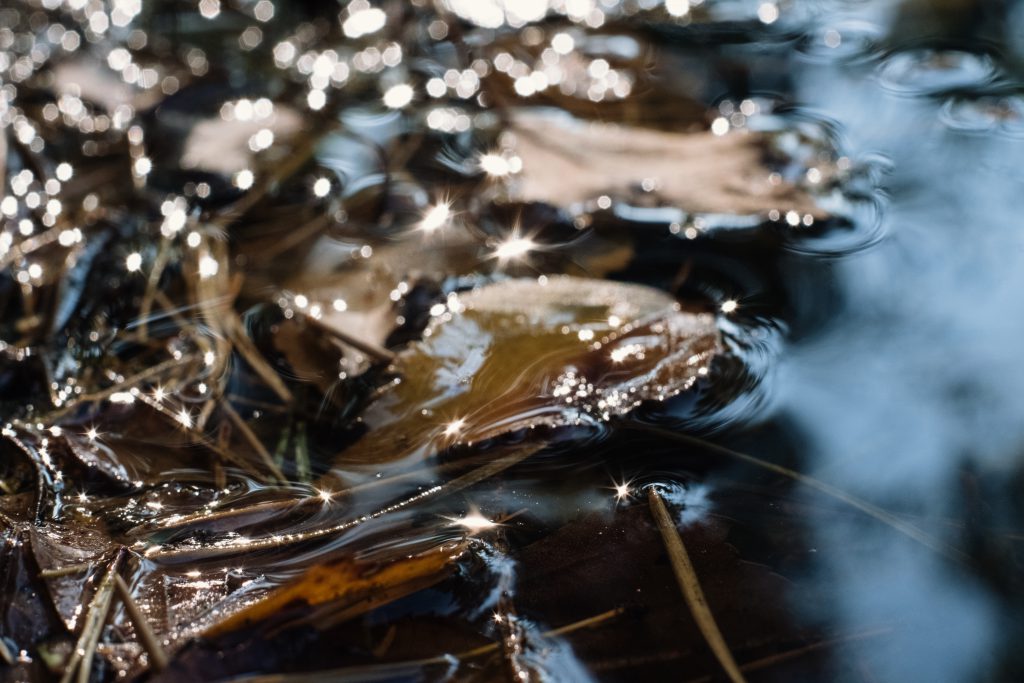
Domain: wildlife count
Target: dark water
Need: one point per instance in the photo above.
(830, 190)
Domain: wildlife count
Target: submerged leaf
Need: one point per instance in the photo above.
(349, 586)
(521, 353)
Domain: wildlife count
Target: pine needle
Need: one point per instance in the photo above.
(96, 616)
(252, 440)
(370, 349)
(157, 656)
(66, 570)
(690, 586)
(788, 655)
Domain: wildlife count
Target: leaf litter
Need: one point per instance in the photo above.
(226, 469)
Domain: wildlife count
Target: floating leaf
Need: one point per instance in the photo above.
(524, 352)
(568, 162)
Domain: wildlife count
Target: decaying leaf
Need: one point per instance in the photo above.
(351, 587)
(567, 162)
(526, 352)
(27, 614)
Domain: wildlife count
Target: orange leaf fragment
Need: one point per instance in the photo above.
(355, 587)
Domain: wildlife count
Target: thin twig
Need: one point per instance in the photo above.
(6, 654)
(298, 156)
(66, 570)
(236, 332)
(780, 657)
(366, 672)
(690, 586)
(589, 622)
(152, 282)
(204, 413)
(103, 394)
(296, 236)
(157, 656)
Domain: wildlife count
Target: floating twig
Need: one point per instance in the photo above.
(157, 656)
(367, 672)
(589, 622)
(690, 586)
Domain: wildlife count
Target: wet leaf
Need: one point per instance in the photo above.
(523, 352)
(568, 162)
(350, 587)
(98, 458)
(27, 614)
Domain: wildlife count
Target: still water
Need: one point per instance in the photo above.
(326, 307)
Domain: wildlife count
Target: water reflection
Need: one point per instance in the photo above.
(912, 379)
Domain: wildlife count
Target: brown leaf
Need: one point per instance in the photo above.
(27, 614)
(350, 586)
(567, 162)
(522, 353)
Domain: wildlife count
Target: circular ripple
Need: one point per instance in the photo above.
(923, 72)
(1001, 114)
